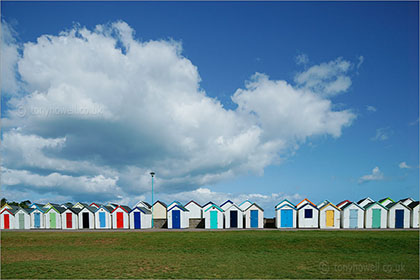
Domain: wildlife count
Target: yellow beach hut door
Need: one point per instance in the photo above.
(330, 218)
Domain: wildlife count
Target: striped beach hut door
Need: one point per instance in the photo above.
(21, 221)
(286, 218)
(69, 220)
(52, 220)
(137, 220)
(254, 218)
(353, 218)
(102, 219)
(330, 218)
(399, 218)
(37, 220)
(376, 218)
(6, 221)
(213, 219)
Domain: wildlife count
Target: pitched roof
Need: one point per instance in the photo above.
(37, 205)
(192, 201)
(57, 209)
(97, 204)
(227, 201)
(326, 205)
(142, 209)
(254, 204)
(12, 210)
(233, 206)
(413, 204)
(384, 199)
(367, 206)
(363, 199)
(349, 204)
(90, 208)
(307, 201)
(286, 205)
(180, 207)
(214, 205)
(106, 207)
(343, 202)
(389, 206)
(81, 203)
(176, 202)
(124, 207)
(68, 204)
(27, 210)
(275, 207)
(161, 202)
(404, 199)
(74, 210)
(245, 201)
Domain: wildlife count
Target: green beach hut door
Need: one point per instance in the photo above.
(52, 220)
(213, 219)
(376, 218)
(21, 221)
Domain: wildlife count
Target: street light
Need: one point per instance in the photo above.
(153, 175)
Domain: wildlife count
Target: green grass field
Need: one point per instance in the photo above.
(215, 254)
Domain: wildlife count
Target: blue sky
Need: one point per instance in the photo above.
(373, 45)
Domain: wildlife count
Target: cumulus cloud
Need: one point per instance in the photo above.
(103, 108)
(370, 108)
(9, 57)
(376, 175)
(361, 60)
(382, 134)
(404, 165)
(326, 79)
(302, 59)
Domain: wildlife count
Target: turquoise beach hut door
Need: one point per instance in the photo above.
(353, 218)
(286, 218)
(254, 218)
(213, 219)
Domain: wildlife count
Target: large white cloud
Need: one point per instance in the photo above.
(101, 107)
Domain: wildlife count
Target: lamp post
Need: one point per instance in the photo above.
(153, 175)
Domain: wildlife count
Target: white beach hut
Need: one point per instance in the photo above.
(160, 210)
(195, 210)
(103, 219)
(143, 204)
(87, 217)
(37, 217)
(329, 216)
(245, 204)
(69, 218)
(352, 216)
(120, 217)
(234, 217)
(376, 215)
(7, 217)
(254, 216)
(286, 214)
(225, 205)
(407, 201)
(178, 217)
(213, 217)
(398, 215)
(140, 218)
(23, 218)
(308, 214)
(53, 217)
(415, 209)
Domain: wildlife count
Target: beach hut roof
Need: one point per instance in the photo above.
(349, 204)
(363, 199)
(214, 205)
(254, 204)
(106, 208)
(96, 204)
(325, 206)
(227, 201)
(141, 209)
(404, 199)
(389, 206)
(384, 199)
(307, 203)
(12, 210)
(27, 210)
(245, 201)
(57, 209)
(81, 204)
(192, 201)
(413, 204)
(343, 202)
(37, 205)
(234, 206)
(180, 207)
(275, 207)
(161, 202)
(304, 201)
(367, 206)
(286, 205)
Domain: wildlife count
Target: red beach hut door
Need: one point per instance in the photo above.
(120, 220)
(6, 221)
(69, 220)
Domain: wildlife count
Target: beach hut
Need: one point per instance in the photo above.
(386, 201)
(352, 216)
(86, 217)
(178, 216)
(398, 215)
(37, 205)
(143, 204)
(225, 205)
(308, 214)
(245, 204)
(286, 214)
(80, 205)
(254, 216)
(415, 209)
(70, 218)
(376, 215)
(233, 216)
(170, 205)
(140, 218)
(53, 217)
(23, 218)
(329, 216)
(120, 217)
(407, 201)
(112, 205)
(103, 217)
(67, 205)
(365, 201)
(213, 217)
(343, 203)
(6, 205)
(37, 216)
(7, 217)
(159, 210)
(96, 205)
(49, 205)
(195, 210)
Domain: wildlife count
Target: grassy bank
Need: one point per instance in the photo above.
(218, 254)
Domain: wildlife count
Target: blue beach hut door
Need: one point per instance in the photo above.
(399, 218)
(137, 220)
(176, 219)
(37, 220)
(102, 219)
(353, 218)
(233, 219)
(254, 218)
(286, 218)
